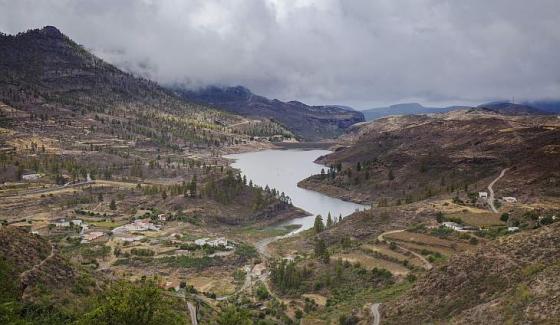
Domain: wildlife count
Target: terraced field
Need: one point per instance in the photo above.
(392, 254)
(422, 242)
(370, 262)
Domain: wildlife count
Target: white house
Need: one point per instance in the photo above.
(137, 225)
(201, 241)
(217, 242)
(483, 195)
(513, 229)
(61, 223)
(213, 243)
(30, 177)
(453, 225)
(509, 199)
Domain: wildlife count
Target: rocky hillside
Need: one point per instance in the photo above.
(511, 281)
(409, 158)
(37, 269)
(50, 77)
(307, 122)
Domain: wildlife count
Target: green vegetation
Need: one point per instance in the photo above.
(318, 225)
(127, 303)
(246, 250)
(122, 303)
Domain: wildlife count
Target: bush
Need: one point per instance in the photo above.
(127, 303)
(246, 250)
(504, 217)
(142, 252)
(262, 292)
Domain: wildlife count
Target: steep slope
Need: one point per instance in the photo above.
(37, 269)
(46, 74)
(307, 122)
(513, 280)
(410, 158)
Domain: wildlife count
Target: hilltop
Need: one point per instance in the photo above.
(403, 109)
(410, 158)
(47, 75)
(308, 122)
(507, 108)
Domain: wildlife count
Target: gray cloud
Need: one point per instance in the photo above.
(360, 53)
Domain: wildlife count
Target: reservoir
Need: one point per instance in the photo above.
(282, 170)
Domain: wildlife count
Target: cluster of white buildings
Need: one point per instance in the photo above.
(213, 243)
(457, 227)
(136, 226)
(63, 223)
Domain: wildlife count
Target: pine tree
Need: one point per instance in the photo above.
(318, 226)
(192, 186)
(321, 251)
(330, 221)
(113, 205)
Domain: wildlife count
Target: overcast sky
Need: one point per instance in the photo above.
(362, 53)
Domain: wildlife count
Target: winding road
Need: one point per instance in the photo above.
(491, 191)
(427, 265)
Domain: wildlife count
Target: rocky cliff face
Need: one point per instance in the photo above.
(308, 122)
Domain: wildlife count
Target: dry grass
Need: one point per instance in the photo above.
(384, 250)
(479, 219)
(371, 262)
(419, 238)
(220, 284)
(438, 249)
(319, 300)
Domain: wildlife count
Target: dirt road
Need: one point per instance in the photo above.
(375, 313)
(427, 265)
(491, 191)
(192, 312)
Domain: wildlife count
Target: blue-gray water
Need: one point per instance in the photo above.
(282, 170)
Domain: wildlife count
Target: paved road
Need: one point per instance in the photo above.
(491, 191)
(375, 313)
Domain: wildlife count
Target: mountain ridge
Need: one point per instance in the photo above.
(308, 122)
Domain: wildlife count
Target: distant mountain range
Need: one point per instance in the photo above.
(507, 108)
(403, 109)
(307, 122)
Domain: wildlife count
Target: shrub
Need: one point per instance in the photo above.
(504, 217)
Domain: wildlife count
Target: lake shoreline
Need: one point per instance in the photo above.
(283, 169)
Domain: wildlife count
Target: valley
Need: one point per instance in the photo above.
(123, 201)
